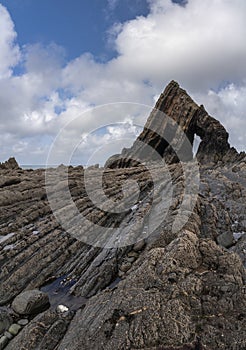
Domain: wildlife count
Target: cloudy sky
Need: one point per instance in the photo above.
(60, 58)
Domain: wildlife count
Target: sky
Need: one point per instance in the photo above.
(61, 59)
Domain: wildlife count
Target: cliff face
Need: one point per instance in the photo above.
(174, 104)
(171, 289)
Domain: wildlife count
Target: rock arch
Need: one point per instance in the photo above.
(192, 119)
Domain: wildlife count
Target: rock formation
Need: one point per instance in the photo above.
(159, 132)
(10, 164)
(182, 289)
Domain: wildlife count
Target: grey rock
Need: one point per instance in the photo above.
(29, 302)
(14, 329)
(125, 267)
(3, 342)
(43, 332)
(10, 164)
(183, 284)
(134, 254)
(23, 322)
(225, 239)
(139, 246)
(130, 259)
(5, 320)
(8, 335)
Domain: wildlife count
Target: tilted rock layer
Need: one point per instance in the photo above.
(192, 119)
(174, 290)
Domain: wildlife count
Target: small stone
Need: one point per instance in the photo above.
(225, 239)
(235, 169)
(133, 254)
(3, 342)
(5, 320)
(8, 335)
(23, 322)
(131, 259)
(139, 246)
(62, 308)
(121, 273)
(14, 329)
(125, 267)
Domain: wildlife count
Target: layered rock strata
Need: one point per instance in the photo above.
(171, 289)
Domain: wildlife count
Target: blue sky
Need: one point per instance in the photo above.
(78, 26)
(59, 59)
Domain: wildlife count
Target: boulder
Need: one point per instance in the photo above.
(30, 302)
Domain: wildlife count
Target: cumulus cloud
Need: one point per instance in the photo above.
(229, 106)
(200, 44)
(9, 51)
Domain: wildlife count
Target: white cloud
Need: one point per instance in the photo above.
(9, 51)
(229, 106)
(201, 45)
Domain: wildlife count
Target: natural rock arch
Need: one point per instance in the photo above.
(192, 119)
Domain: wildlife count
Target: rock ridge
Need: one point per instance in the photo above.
(176, 290)
(164, 138)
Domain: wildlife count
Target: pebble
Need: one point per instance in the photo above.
(125, 267)
(121, 273)
(130, 259)
(8, 335)
(62, 308)
(139, 246)
(3, 342)
(14, 329)
(23, 322)
(133, 254)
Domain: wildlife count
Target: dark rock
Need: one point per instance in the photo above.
(225, 239)
(10, 164)
(183, 291)
(3, 342)
(44, 332)
(30, 302)
(5, 320)
(159, 133)
(125, 266)
(139, 246)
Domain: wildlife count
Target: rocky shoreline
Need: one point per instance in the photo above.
(169, 290)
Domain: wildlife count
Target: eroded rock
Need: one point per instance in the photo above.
(182, 291)
(30, 302)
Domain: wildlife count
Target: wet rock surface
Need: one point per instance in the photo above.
(170, 289)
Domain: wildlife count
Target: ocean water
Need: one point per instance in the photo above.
(33, 166)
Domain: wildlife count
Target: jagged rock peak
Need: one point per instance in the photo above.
(10, 164)
(175, 103)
